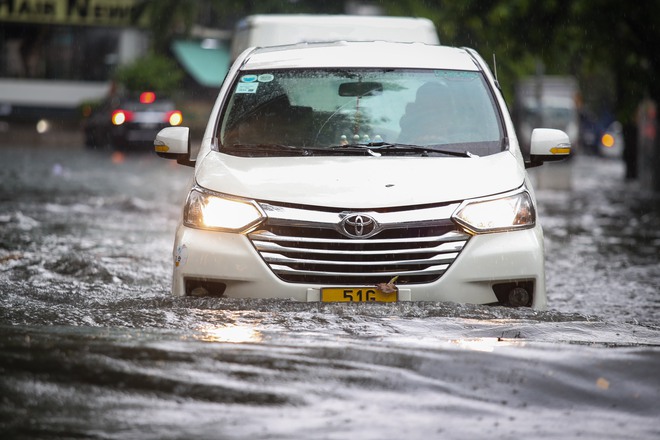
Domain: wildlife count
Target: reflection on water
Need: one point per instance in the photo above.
(238, 334)
(486, 344)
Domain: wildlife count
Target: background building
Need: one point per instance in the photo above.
(55, 54)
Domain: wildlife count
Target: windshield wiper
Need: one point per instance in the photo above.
(249, 150)
(355, 148)
(376, 147)
(371, 148)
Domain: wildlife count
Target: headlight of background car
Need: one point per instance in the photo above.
(514, 211)
(214, 211)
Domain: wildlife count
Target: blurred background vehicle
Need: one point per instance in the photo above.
(130, 121)
(277, 29)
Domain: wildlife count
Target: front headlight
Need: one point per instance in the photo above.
(215, 211)
(495, 214)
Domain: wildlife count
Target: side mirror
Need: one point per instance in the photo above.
(548, 145)
(174, 143)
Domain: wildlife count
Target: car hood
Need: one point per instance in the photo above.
(360, 182)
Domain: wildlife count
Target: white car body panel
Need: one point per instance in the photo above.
(407, 55)
(371, 181)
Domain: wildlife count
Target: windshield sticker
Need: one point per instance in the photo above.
(247, 87)
(249, 78)
(265, 78)
(456, 75)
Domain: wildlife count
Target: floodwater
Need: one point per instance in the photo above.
(93, 346)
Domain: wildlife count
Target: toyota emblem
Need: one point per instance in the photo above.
(359, 226)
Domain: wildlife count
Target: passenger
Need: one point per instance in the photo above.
(428, 120)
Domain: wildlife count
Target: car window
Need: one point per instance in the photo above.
(324, 108)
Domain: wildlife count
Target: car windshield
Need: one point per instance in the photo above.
(392, 111)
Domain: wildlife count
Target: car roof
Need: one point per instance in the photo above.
(377, 54)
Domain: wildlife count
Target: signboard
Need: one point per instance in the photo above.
(74, 12)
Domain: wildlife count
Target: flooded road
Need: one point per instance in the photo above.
(93, 346)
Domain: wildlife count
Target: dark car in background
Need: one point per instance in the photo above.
(130, 121)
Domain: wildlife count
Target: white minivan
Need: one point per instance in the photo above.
(361, 172)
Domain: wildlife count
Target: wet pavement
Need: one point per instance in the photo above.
(92, 345)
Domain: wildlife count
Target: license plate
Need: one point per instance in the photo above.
(356, 294)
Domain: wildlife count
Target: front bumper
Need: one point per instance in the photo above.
(231, 263)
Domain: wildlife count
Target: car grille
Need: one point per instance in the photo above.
(306, 246)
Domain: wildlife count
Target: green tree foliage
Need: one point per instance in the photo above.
(168, 18)
(153, 72)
